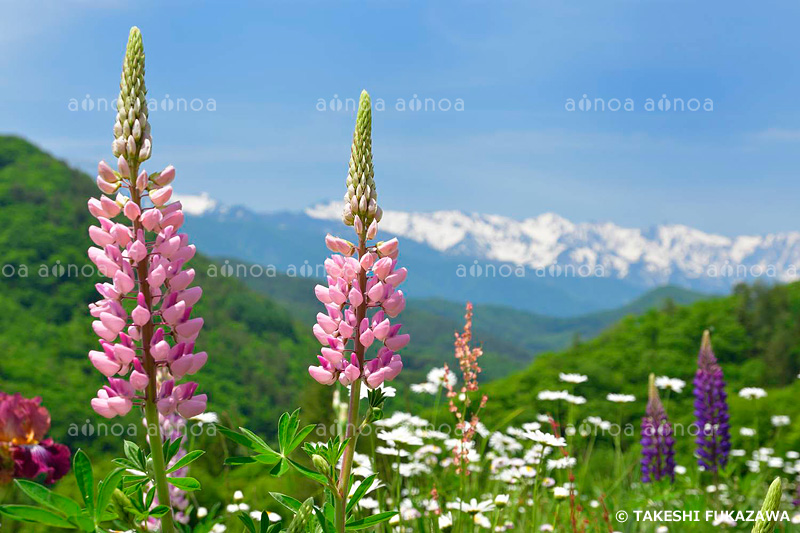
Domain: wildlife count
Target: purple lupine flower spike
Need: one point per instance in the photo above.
(658, 442)
(711, 410)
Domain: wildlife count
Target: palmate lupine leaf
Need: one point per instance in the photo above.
(290, 436)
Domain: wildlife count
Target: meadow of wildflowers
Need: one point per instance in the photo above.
(577, 444)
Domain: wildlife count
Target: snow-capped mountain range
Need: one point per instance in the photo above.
(665, 254)
(560, 268)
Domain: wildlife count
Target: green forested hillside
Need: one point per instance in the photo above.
(755, 334)
(257, 352)
(511, 338)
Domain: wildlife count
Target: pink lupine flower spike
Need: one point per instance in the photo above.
(148, 345)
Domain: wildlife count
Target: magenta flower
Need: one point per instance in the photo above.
(24, 452)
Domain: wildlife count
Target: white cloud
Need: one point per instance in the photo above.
(196, 204)
(779, 135)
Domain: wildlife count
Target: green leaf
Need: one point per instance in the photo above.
(135, 454)
(287, 501)
(291, 430)
(174, 446)
(242, 460)
(279, 469)
(311, 474)
(329, 512)
(359, 492)
(299, 438)
(159, 511)
(82, 468)
(266, 527)
(106, 490)
(138, 498)
(369, 521)
(185, 460)
(85, 522)
(236, 437)
(184, 483)
(326, 526)
(28, 513)
(283, 431)
(248, 439)
(150, 498)
(48, 498)
(247, 521)
(259, 443)
(133, 490)
(125, 463)
(267, 458)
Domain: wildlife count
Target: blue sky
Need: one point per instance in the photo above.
(513, 149)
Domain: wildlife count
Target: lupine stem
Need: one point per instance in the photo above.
(159, 470)
(151, 412)
(355, 398)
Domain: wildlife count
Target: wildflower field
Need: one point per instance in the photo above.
(166, 399)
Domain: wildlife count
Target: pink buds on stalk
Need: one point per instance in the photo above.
(362, 280)
(145, 240)
(114, 399)
(336, 329)
(180, 398)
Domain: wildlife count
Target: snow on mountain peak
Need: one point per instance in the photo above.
(665, 254)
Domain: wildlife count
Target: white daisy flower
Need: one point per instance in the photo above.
(572, 378)
(620, 398)
(780, 421)
(673, 384)
(752, 393)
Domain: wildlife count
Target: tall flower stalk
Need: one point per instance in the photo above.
(658, 442)
(144, 322)
(711, 410)
(360, 298)
(467, 357)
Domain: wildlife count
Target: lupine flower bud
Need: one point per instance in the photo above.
(711, 410)
(768, 514)
(165, 177)
(124, 169)
(132, 129)
(658, 443)
(361, 207)
(106, 173)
